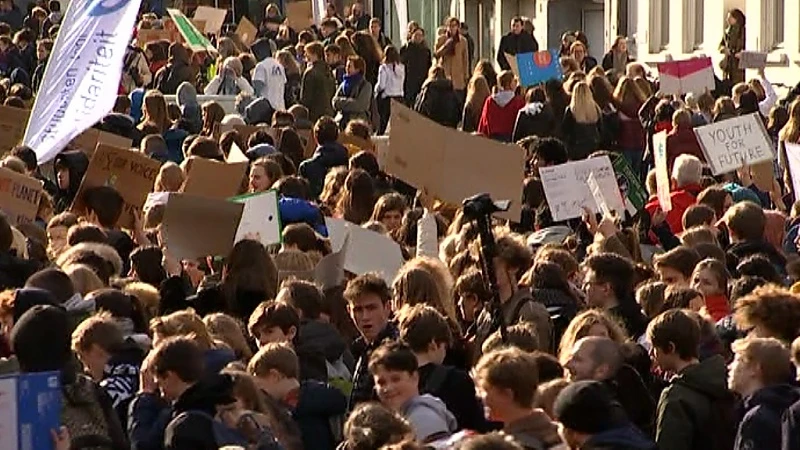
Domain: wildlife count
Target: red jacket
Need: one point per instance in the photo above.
(680, 141)
(498, 121)
(682, 199)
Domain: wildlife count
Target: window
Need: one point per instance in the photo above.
(664, 24)
(699, 18)
(778, 13)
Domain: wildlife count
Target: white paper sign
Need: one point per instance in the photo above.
(597, 193)
(236, 155)
(731, 143)
(154, 199)
(260, 217)
(567, 190)
(662, 171)
(367, 251)
(793, 161)
(752, 60)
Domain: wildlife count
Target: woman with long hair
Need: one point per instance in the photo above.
(293, 77)
(437, 100)
(416, 56)
(617, 58)
(366, 47)
(486, 69)
(558, 99)
(389, 210)
(332, 188)
(732, 44)
(477, 93)
(155, 112)
(290, 145)
(580, 52)
(264, 172)
(790, 133)
(357, 198)
(345, 46)
(391, 78)
(213, 113)
(629, 99)
(582, 125)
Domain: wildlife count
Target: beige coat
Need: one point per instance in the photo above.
(455, 64)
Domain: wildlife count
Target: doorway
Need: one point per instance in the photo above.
(593, 24)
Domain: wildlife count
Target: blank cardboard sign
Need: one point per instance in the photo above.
(213, 179)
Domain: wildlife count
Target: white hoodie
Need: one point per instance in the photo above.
(429, 418)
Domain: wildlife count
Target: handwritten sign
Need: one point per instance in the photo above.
(597, 193)
(567, 191)
(752, 60)
(662, 171)
(30, 408)
(732, 143)
(13, 122)
(131, 173)
(88, 141)
(19, 196)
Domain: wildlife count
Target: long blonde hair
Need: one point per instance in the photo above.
(231, 332)
(627, 92)
(791, 131)
(582, 105)
(155, 111)
(288, 62)
(477, 92)
(580, 326)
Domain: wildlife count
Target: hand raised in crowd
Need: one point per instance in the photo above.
(147, 379)
(424, 199)
(61, 439)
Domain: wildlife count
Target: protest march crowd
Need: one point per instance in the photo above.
(660, 311)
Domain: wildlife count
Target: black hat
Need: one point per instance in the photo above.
(41, 339)
(588, 407)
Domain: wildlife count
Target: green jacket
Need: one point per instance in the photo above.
(685, 406)
(317, 89)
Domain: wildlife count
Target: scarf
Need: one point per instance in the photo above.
(350, 82)
(620, 61)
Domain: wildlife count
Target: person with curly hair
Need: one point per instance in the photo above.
(769, 311)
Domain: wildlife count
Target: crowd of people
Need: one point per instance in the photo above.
(655, 330)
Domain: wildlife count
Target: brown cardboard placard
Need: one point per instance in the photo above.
(131, 173)
(91, 138)
(246, 31)
(19, 196)
(763, 175)
(146, 36)
(453, 165)
(13, 122)
(299, 14)
(213, 19)
(213, 179)
(195, 226)
(355, 141)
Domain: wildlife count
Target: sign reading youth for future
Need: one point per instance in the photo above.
(732, 143)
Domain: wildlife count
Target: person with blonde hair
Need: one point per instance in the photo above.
(84, 279)
(583, 124)
(438, 100)
(477, 93)
(580, 53)
(628, 99)
(230, 332)
(790, 133)
(170, 178)
(187, 323)
(155, 112)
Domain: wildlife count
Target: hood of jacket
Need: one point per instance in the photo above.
(258, 111)
(317, 399)
(27, 298)
(186, 95)
(76, 162)
(206, 394)
(533, 108)
(323, 337)
(432, 403)
(503, 98)
(534, 430)
(709, 376)
(746, 248)
(297, 210)
(777, 398)
(628, 437)
(217, 358)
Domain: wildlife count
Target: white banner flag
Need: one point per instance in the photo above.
(81, 81)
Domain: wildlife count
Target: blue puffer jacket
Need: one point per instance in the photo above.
(295, 210)
(174, 138)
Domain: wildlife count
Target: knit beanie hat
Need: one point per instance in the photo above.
(588, 407)
(41, 339)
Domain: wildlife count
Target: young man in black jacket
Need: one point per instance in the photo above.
(428, 335)
(516, 42)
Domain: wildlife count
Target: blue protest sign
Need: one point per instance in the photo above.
(538, 67)
(30, 408)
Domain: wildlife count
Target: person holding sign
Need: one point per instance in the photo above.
(515, 42)
(686, 174)
(682, 140)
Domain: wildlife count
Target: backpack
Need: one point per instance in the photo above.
(235, 437)
(722, 425)
(83, 415)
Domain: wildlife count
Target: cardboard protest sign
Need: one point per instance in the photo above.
(13, 122)
(146, 36)
(453, 165)
(155, 199)
(131, 173)
(299, 14)
(599, 197)
(245, 131)
(662, 171)
(351, 141)
(367, 250)
(538, 67)
(193, 37)
(329, 271)
(381, 149)
(31, 405)
(88, 141)
(763, 175)
(260, 217)
(512, 63)
(236, 155)
(214, 18)
(695, 75)
(732, 143)
(568, 193)
(630, 187)
(196, 227)
(246, 31)
(752, 60)
(19, 196)
(793, 161)
(213, 179)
